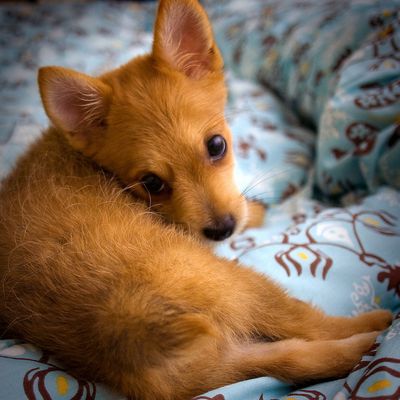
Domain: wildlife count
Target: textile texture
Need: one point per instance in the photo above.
(314, 108)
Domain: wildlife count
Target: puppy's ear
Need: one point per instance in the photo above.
(184, 40)
(75, 103)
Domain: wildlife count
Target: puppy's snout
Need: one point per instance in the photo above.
(222, 228)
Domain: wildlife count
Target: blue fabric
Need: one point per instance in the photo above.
(337, 64)
(26, 372)
(329, 61)
(274, 153)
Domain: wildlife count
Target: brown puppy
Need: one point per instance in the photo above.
(93, 272)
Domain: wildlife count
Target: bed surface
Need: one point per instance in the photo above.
(328, 128)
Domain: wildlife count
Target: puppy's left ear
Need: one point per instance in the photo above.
(184, 40)
(76, 104)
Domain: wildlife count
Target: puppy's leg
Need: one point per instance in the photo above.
(278, 316)
(299, 361)
(284, 317)
(213, 363)
(295, 318)
(313, 324)
(189, 353)
(173, 341)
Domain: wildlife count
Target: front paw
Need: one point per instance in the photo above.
(358, 345)
(377, 320)
(256, 214)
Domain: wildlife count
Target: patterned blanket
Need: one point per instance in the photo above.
(329, 126)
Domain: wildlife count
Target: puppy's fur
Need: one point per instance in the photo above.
(107, 279)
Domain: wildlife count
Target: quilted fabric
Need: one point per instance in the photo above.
(337, 64)
(27, 373)
(345, 260)
(90, 37)
(359, 129)
(275, 154)
(329, 256)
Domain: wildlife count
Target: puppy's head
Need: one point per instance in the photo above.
(158, 123)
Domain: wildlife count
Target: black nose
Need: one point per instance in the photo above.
(222, 229)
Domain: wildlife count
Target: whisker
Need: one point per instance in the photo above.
(262, 198)
(131, 186)
(270, 175)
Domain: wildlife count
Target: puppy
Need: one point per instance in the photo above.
(104, 226)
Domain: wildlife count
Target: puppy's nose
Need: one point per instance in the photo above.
(222, 229)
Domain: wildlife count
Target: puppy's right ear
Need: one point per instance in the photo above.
(75, 103)
(183, 39)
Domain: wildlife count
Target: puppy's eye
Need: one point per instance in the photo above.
(152, 183)
(216, 147)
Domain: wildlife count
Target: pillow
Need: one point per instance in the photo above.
(359, 131)
(337, 65)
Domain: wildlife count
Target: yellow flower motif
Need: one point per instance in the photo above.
(380, 385)
(271, 57)
(371, 221)
(62, 385)
(304, 68)
(303, 255)
(389, 64)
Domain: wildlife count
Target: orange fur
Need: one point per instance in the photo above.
(90, 269)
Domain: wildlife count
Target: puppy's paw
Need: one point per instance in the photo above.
(377, 320)
(337, 358)
(362, 342)
(256, 214)
(351, 350)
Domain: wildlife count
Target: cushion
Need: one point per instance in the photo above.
(335, 63)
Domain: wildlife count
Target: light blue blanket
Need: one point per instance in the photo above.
(336, 66)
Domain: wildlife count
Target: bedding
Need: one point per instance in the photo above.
(337, 63)
(320, 60)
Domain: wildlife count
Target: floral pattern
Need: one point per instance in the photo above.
(334, 228)
(269, 139)
(337, 64)
(344, 259)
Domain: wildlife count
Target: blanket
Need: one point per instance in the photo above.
(314, 109)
